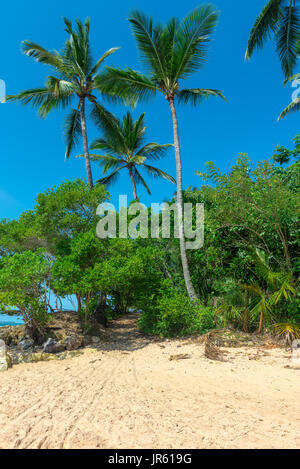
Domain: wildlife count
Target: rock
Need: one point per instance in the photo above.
(25, 344)
(296, 344)
(95, 339)
(45, 357)
(12, 334)
(51, 346)
(5, 358)
(73, 342)
(295, 359)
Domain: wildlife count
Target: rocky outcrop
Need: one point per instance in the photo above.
(73, 342)
(25, 344)
(12, 335)
(35, 357)
(51, 346)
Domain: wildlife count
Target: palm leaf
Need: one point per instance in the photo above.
(292, 107)
(42, 55)
(107, 161)
(195, 96)
(154, 151)
(128, 85)
(111, 178)
(111, 127)
(72, 130)
(287, 37)
(149, 43)
(158, 173)
(95, 68)
(264, 26)
(140, 180)
(193, 36)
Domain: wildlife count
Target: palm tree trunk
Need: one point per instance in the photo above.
(184, 261)
(133, 183)
(85, 143)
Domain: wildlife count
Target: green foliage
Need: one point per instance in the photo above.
(67, 210)
(171, 313)
(124, 147)
(280, 19)
(24, 284)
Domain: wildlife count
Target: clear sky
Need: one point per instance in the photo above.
(32, 149)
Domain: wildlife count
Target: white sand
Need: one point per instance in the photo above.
(129, 395)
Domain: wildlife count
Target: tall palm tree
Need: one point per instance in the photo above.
(170, 53)
(280, 19)
(124, 145)
(73, 80)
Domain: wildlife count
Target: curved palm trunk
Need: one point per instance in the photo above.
(185, 265)
(133, 183)
(85, 143)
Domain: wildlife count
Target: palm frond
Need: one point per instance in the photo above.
(34, 96)
(154, 151)
(42, 55)
(111, 178)
(109, 52)
(294, 106)
(192, 38)
(287, 37)
(107, 161)
(150, 45)
(140, 180)
(72, 130)
(103, 145)
(195, 96)
(158, 173)
(128, 85)
(110, 126)
(264, 26)
(133, 131)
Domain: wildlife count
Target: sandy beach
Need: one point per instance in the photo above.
(129, 394)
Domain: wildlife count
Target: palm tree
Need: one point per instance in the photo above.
(125, 148)
(74, 77)
(280, 19)
(170, 53)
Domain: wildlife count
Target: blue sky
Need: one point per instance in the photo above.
(32, 149)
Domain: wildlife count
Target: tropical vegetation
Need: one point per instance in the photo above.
(246, 275)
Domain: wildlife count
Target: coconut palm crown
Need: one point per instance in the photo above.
(279, 19)
(124, 147)
(170, 54)
(73, 81)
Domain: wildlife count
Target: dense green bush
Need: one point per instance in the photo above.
(172, 314)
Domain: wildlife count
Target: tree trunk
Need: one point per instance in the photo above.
(133, 183)
(185, 265)
(78, 302)
(85, 143)
(99, 313)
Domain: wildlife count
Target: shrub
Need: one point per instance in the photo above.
(172, 314)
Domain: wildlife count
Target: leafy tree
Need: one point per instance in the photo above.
(125, 148)
(170, 53)
(24, 280)
(67, 210)
(280, 19)
(256, 207)
(76, 272)
(74, 78)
